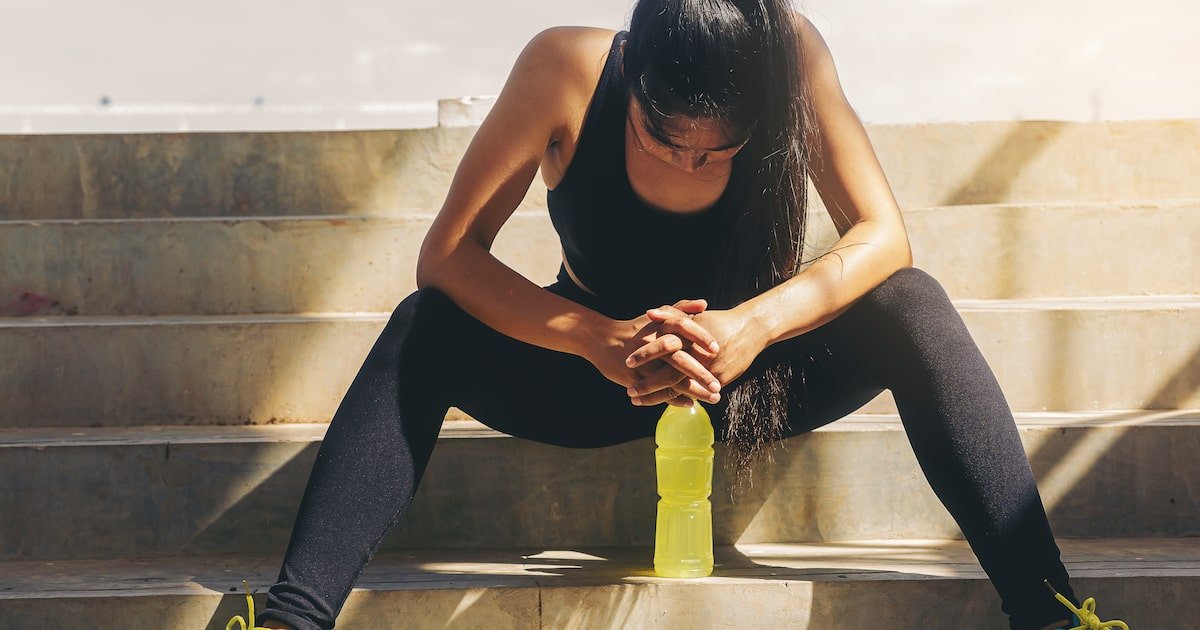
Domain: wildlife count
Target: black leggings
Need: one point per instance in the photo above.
(904, 335)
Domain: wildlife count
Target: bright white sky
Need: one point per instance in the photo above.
(911, 61)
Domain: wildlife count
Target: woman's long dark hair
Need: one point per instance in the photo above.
(738, 61)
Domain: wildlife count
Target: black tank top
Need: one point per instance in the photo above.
(608, 234)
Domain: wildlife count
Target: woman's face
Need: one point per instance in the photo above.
(695, 143)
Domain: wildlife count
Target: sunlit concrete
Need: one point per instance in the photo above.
(361, 263)
(915, 583)
(1047, 355)
(168, 490)
(1070, 351)
(395, 172)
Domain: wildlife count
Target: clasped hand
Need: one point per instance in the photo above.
(677, 353)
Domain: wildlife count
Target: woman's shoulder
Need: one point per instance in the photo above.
(581, 53)
(581, 47)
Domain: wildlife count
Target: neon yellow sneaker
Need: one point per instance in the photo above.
(249, 625)
(1085, 617)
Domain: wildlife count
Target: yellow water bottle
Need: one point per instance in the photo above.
(683, 458)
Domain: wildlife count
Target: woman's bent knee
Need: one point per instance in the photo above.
(423, 299)
(425, 312)
(420, 318)
(909, 286)
(430, 330)
(909, 295)
(910, 305)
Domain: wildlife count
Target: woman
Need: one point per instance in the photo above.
(676, 155)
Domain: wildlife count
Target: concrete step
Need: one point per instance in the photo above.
(337, 263)
(935, 584)
(198, 490)
(72, 176)
(1053, 354)
(240, 265)
(1041, 250)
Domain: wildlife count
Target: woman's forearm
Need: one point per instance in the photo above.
(511, 304)
(865, 256)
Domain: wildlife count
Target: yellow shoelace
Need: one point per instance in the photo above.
(249, 625)
(1087, 614)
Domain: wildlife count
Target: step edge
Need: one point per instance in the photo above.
(1106, 303)
(621, 559)
(467, 428)
(408, 214)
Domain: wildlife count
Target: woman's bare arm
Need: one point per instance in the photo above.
(491, 180)
(848, 176)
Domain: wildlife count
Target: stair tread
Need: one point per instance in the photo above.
(1104, 303)
(52, 321)
(861, 560)
(412, 214)
(41, 437)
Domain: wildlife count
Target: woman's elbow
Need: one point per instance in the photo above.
(902, 247)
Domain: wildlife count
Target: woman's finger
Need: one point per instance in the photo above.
(677, 321)
(668, 376)
(658, 379)
(670, 349)
(681, 401)
(671, 338)
(660, 346)
(692, 306)
(654, 398)
(690, 328)
(685, 388)
(705, 383)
